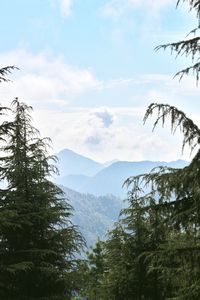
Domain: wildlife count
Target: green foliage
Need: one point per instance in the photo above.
(37, 240)
(177, 200)
(153, 252)
(94, 268)
(188, 46)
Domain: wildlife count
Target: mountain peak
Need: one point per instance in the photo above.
(72, 163)
(87, 176)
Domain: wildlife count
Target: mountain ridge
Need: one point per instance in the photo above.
(76, 164)
(87, 176)
(97, 199)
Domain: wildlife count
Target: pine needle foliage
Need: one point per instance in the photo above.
(190, 46)
(191, 132)
(6, 71)
(176, 193)
(153, 251)
(37, 239)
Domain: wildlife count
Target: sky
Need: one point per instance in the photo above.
(89, 70)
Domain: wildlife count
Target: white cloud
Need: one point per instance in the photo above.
(66, 6)
(83, 131)
(117, 8)
(113, 130)
(114, 8)
(45, 80)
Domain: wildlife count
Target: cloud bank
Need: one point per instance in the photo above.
(43, 80)
(109, 123)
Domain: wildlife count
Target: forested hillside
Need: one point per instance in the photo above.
(94, 215)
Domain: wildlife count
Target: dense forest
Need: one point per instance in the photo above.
(153, 251)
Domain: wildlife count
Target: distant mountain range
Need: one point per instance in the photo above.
(80, 177)
(87, 176)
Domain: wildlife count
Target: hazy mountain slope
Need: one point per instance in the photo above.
(110, 179)
(94, 215)
(74, 182)
(72, 163)
(87, 176)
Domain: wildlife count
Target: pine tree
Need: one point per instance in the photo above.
(95, 268)
(3, 78)
(180, 190)
(37, 239)
(115, 281)
(190, 47)
(153, 253)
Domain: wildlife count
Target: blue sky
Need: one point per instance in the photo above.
(89, 69)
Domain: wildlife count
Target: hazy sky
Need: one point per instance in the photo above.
(89, 69)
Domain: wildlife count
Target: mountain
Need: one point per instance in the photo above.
(70, 163)
(74, 182)
(109, 163)
(95, 190)
(87, 176)
(110, 179)
(93, 215)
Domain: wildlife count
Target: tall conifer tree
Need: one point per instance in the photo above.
(37, 239)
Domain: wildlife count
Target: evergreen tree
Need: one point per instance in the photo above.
(141, 221)
(115, 280)
(180, 191)
(190, 47)
(95, 268)
(37, 239)
(153, 253)
(3, 78)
